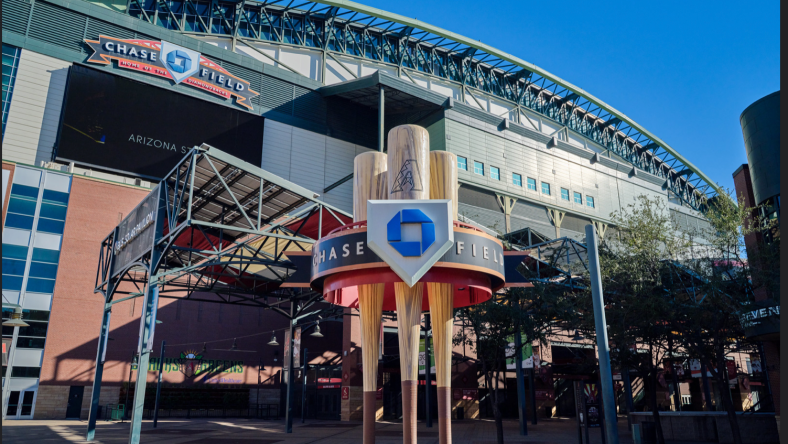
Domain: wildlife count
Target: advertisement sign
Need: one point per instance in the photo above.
(410, 235)
(297, 347)
(173, 62)
(286, 365)
(199, 368)
(345, 392)
(592, 403)
(527, 356)
(117, 124)
(423, 358)
(695, 369)
(136, 232)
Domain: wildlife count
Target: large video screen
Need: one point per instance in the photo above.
(118, 124)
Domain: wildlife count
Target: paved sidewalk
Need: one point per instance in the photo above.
(251, 431)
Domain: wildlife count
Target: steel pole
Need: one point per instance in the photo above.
(532, 385)
(128, 388)
(427, 366)
(605, 372)
(381, 118)
(628, 395)
(518, 367)
(303, 388)
(99, 372)
(158, 385)
(289, 388)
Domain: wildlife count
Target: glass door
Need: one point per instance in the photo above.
(20, 405)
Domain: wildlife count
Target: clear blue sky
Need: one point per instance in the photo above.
(683, 70)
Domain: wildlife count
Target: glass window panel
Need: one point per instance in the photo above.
(495, 173)
(12, 282)
(478, 168)
(8, 331)
(51, 226)
(578, 198)
(545, 188)
(55, 197)
(19, 221)
(462, 163)
(30, 343)
(14, 251)
(53, 211)
(24, 191)
(517, 179)
(564, 194)
(22, 206)
(35, 315)
(13, 267)
(26, 372)
(531, 184)
(13, 400)
(7, 312)
(45, 255)
(40, 285)
(27, 402)
(35, 329)
(40, 269)
(590, 201)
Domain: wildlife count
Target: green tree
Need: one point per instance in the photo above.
(635, 266)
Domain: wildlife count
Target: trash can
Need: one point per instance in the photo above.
(648, 432)
(460, 413)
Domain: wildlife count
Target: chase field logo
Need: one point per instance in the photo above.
(179, 64)
(410, 235)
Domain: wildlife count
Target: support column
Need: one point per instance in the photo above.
(409, 155)
(409, 301)
(370, 181)
(99, 372)
(557, 217)
(146, 345)
(443, 185)
(381, 117)
(507, 204)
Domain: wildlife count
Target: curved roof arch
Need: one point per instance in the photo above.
(348, 28)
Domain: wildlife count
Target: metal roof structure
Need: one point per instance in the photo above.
(349, 29)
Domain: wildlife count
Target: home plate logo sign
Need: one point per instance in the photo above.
(179, 64)
(410, 235)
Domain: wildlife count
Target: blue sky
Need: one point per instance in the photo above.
(683, 70)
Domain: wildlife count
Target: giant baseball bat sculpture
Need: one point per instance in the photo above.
(369, 182)
(409, 178)
(443, 185)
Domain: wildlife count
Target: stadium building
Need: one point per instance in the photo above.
(102, 99)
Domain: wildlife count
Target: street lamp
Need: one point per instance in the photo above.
(317, 333)
(16, 317)
(273, 340)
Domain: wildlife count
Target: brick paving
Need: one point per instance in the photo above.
(250, 431)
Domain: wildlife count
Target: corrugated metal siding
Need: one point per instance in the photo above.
(100, 27)
(58, 26)
(34, 115)
(309, 105)
(15, 15)
(276, 95)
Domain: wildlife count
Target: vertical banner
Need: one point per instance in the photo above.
(526, 354)
(591, 392)
(297, 347)
(423, 359)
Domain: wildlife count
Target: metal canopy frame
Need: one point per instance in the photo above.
(221, 229)
(412, 46)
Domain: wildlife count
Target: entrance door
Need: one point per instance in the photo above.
(74, 408)
(20, 405)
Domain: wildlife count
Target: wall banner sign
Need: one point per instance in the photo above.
(179, 64)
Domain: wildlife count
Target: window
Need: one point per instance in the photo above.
(21, 207)
(462, 163)
(564, 194)
(590, 201)
(43, 269)
(495, 173)
(517, 179)
(578, 198)
(14, 261)
(478, 168)
(10, 66)
(545, 188)
(32, 336)
(531, 184)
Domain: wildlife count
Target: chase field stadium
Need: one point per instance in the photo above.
(102, 99)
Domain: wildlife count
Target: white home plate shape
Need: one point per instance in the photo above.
(410, 235)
